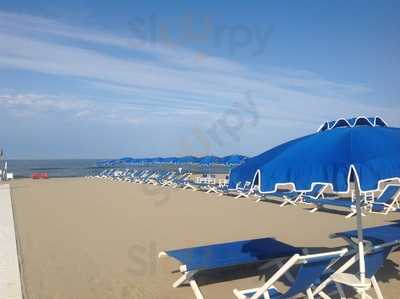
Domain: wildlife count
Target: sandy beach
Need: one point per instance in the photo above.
(96, 239)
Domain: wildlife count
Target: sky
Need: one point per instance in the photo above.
(97, 79)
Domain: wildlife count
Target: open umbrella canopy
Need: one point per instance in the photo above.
(171, 160)
(188, 159)
(368, 149)
(233, 159)
(157, 160)
(353, 122)
(207, 160)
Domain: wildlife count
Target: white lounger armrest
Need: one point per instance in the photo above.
(351, 280)
(241, 294)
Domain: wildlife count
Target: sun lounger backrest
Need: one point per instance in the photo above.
(374, 257)
(375, 260)
(317, 190)
(389, 194)
(309, 272)
(247, 185)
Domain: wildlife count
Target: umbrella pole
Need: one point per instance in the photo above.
(360, 236)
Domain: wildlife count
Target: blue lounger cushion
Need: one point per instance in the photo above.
(377, 235)
(316, 192)
(387, 197)
(345, 203)
(289, 194)
(382, 208)
(310, 271)
(232, 254)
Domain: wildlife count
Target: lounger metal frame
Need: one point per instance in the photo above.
(394, 205)
(262, 292)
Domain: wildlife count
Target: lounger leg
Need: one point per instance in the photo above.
(310, 294)
(187, 276)
(314, 210)
(376, 287)
(196, 290)
(211, 190)
(298, 199)
(351, 214)
(287, 201)
(180, 281)
(191, 187)
(324, 296)
(340, 291)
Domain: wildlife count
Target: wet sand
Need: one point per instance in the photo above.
(96, 239)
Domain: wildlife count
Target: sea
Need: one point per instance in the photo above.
(83, 167)
(54, 168)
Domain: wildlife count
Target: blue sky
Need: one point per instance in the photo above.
(90, 79)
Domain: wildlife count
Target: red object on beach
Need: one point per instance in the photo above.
(40, 175)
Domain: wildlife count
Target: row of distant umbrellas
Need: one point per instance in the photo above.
(205, 160)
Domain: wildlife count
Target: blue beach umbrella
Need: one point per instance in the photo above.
(103, 163)
(363, 149)
(328, 156)
(188, 160)
(207, 160)
(125, 160)
(233, 159)
(170, 160)
(157, 160)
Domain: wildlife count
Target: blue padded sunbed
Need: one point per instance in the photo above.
(311, 269)
(316, 192)
(334, 202)
(180, 181)
(387, 201)
(288, 197)
(218, 256)
(374, 257)
(315, 276)
(376, 235)
(293, 197)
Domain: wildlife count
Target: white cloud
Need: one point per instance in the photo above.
(26, 105)
(41, 102)
(164, 81)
